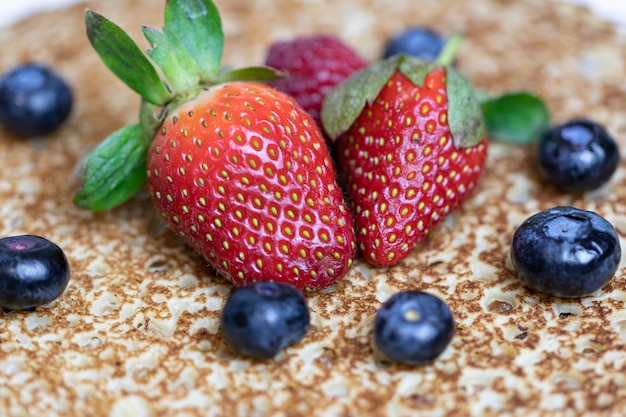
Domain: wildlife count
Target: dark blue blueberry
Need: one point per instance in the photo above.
(34, 100)
(260, 319)
(565, 251)
(413, 327)
(33, 271)
(420, 42)
(578, 156)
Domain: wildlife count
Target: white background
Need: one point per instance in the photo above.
(13, 10)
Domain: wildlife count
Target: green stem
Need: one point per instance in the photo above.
(149, 124)
(448, 53)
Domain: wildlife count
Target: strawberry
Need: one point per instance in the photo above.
(243, 175)
(412, 148)
(237, 169)
(315, 64)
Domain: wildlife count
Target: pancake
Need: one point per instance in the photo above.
(136, 333)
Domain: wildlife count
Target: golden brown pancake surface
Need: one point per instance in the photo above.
(137, 331)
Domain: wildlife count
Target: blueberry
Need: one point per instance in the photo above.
(413, 327)
(420, 42)
(565, 251)
(577, 156)
(261, 318)
(34, 100)
(33, 271)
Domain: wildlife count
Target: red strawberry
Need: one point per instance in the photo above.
(244, 176)
(315, 64)
(237, 169)
(412, 152)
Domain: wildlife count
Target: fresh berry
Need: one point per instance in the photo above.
(262, 318)
(34, 100)
(413, 327)
(237, 169)
(244, 176)
(314, 65)
(33, 271)
(565, 251)
(578, 155)
(411, 155)
(420, 42)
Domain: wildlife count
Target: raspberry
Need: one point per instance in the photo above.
(315, 64)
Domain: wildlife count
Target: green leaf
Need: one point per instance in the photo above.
(260, 74)
(124, 58)
(517, 117)
(198, 25)
(465, 116)
(178, 66)
(115, 171)
(344, 103)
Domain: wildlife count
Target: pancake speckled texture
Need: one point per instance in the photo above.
(137, 331)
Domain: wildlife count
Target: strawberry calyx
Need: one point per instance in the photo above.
(516, 117)
(344, 103)
(188, 52)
